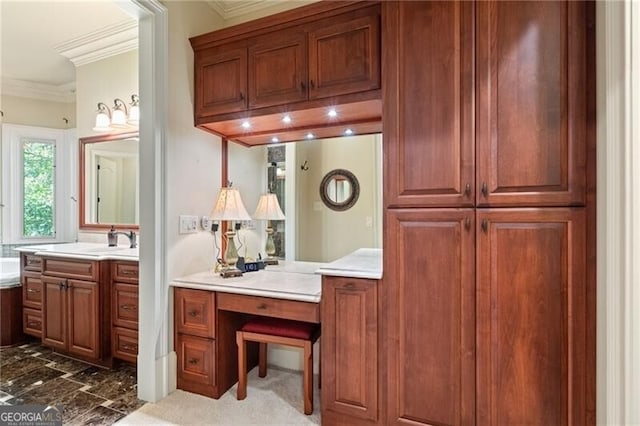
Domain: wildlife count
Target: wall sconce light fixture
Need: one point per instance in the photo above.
(120, 117)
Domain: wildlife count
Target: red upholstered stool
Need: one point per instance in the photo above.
(283, 332)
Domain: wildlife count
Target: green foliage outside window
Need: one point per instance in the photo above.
(38, 191)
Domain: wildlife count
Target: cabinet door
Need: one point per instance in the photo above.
(429, 294)
(220, 80)
(344, 54)
(531, 132)
(531, 317)
(83, 318)
(429, 103)
(350, 347)
(54, 312)
(278, 69)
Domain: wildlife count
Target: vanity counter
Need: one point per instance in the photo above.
(289, 280)
(362, 263)
(82, 251)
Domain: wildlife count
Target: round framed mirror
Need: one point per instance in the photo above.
(339, 189)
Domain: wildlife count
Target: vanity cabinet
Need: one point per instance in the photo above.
(349, 351)
(30, 278)
(296, 64)
(194, 323)
(124, 310)
(71, 313)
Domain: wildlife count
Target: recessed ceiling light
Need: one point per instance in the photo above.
(348, 132)
(332, 113)
(286, 119)
(310, 136)
(275, 139)
(246, 124)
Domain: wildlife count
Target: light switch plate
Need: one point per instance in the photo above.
(188, 224)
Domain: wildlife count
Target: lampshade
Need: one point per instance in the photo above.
(103, 121)
(229, 206)
(134, 110)
(268, 208)
(119, 114)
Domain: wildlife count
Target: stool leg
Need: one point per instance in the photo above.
(308, 378)
(262, 360)
(242, 366)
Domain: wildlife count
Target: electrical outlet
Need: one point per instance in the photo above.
(205, 222)
(248, 225)
(188, 224)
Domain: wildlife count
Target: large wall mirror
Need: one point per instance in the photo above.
(109, 180)
(313, 231)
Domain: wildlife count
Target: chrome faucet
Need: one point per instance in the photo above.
(112, 237)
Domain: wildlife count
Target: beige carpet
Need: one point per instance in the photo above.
(273, 400)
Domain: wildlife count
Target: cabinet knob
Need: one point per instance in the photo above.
(467, 223)
(241, 96)
(193, 361)
(484, 189)
(485, 225)
(303, 86)
(194, 313)
(467, 189)
(262, 306)
(313, 85)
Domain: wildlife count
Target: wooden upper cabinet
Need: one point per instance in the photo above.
(344, 54)
(531, 314)
(221, 80)
(278, 69)
(429, 292)
(428, 103)
(531, 130)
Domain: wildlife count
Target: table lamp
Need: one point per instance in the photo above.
(229, 207)
(269, 209)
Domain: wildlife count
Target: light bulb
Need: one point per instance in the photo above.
(246, 124)
(332, 113)
(286, 119)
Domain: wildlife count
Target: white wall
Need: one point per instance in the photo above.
(103, 81)
(39, 113)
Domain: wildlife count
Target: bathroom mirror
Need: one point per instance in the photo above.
(339, 189)
(313, 231)
(109, 180)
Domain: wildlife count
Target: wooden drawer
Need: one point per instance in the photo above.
(32, 322)
(31, 263)
(196, 359)
(125, 305)
(195, 312)
(124, 344)
(124, 271)
(80, 269)
(266, 306)
(31, 290)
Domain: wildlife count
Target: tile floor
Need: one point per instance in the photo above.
(34, 374)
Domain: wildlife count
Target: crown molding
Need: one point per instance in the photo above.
(232, 9)
(101, 44)
(65, 93)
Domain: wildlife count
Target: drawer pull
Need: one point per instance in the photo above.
(33, 261)
(128, 307)
(194, 313)
(193, 361)
(32, 290)
(349, 286)
(262, 306)
(127, 273)
(33, 324)
(131, 348)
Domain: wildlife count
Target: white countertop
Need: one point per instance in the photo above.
(289, 280)
(362, 263)
(83, 251)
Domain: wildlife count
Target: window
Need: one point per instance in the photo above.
(39, 184)
(38, 188)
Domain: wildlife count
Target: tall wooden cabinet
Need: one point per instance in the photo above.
(485, 121)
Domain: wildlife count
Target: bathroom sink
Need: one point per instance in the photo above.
(105, 249)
